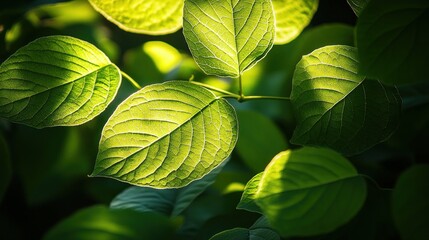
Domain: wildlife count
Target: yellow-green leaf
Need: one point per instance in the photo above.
(143, 16)
(167, 135)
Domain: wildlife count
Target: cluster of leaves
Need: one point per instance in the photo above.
(173, 139)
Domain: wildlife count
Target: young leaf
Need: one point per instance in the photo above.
(338, 108)
(143, 16)
(228, 37)
(168, 201)
(5, 167)
(166, 136)
(292, 16)
(357, 5)
(56, 81)
(310, 191)
(410, 205)
(392, 38)
(259, 140)
(99, 222)
(247, 201)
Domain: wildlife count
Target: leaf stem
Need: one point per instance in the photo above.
(240, 89)
(248, 98)
(227, 93)
(131, 80)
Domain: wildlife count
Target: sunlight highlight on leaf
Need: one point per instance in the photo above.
(292, 16)
(310, 187)
(56, 81)
(166, 136)
(338, 108)
(228, 37)
(143, 16)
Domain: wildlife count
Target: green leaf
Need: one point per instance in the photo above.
(99, 222)
(259, 230)
(143, 16)
(166, 136)
(167, 201)
(337, 107)
(247, 201)
(310, 191)
(357, 5)
(259, 140)
(56, 81)
(410, 204)
(228, 37)
(292, 16)
(392, 40)
(5, 167)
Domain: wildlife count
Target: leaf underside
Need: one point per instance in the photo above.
(56, 81)
(228, 37)
(166, 136)
(338, 108)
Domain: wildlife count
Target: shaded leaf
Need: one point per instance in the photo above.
(292, 16)
(410, 203)
(143, 16)
(247, 201)
(337, 107)
(259, 140)
(167, 201)
(392, 40)
(357, 5)
(310, 187)
(99, 222)
(226, 37)
(56, 81)
(260, 230)
(5, 167)
(167, 135)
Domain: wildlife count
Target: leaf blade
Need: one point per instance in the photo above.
(234, 36)
(337, 107)
(166, 136)
(56, 81)
(310, 179)
(143, 16)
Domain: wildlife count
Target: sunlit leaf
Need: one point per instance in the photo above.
(292, 16)
(167, 135)
(358, 5)
(337, 107)
(259, 140)
(5, 167)
(247, 201)
(56, 81)
(310, 187)
(392, 40)
(99, 222)
(410, 203)
(167, 201)
(143, 16)
(228, 37)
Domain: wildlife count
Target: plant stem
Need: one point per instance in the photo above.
(131, 80)
(227, 93)
(248, 98)
(240, 89)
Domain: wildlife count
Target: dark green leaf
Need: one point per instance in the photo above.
(358, 5)
(410, 203)
(310, 191)
(259, 140)
(337, 107)
(99, 222)
(167, 201)
(392, 40)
